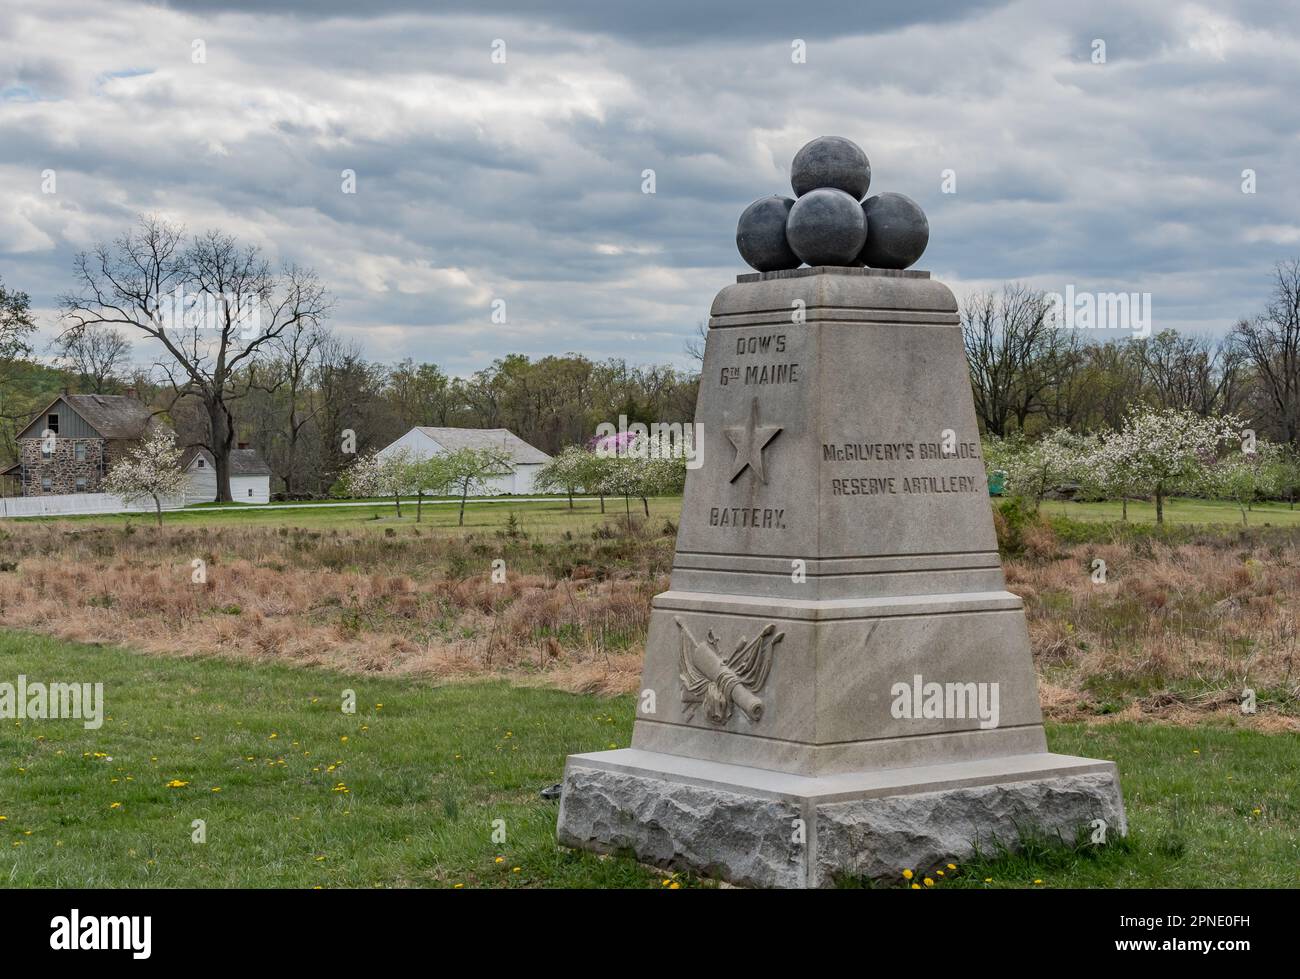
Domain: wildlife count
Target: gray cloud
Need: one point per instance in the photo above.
(522, 181)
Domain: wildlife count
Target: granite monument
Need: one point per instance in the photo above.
(837, 681)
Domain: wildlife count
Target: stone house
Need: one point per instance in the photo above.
(72, 443)
(70, 446)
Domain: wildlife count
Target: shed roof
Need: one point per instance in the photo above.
(243, 462)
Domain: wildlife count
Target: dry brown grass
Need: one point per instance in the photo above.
(353, 601)
(1176, 632)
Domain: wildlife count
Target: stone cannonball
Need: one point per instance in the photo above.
(897, 231)
(831, 161)
(760, 235)
(826, 227)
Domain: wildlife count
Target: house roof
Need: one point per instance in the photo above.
(455, 439)
(113, 416)
(243, 462)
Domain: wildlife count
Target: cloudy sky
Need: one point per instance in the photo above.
(478, 180)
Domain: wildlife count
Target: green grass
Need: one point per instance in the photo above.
(551, 516)
(556, 516)
(429, 772)
(427, 775)
(1178, 511)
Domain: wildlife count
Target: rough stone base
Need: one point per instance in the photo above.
(770, 829)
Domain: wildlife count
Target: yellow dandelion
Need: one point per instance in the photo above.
(952, 866)
(928, 882)
(907, 874)
(500, 860)
(177, 784)
(1038, 882)
(674, 886)
(115, 805)
(916, 887)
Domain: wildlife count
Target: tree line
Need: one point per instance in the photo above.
(1030, 377)
(243, 353)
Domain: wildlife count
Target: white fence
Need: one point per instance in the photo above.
(76, 504)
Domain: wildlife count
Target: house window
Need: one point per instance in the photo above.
(46, 484)
(79, 451)
(52, 423)
(250, 491)
(81, 484)
(202, 464)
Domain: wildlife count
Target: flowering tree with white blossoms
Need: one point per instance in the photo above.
(1245, 475)
(151, 469)
(643, 467)
(391, 475)
(567, 472)
(1031, 469)
(1159, 451)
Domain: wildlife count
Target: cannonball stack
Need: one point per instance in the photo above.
(829, 223)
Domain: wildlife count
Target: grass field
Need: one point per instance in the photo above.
(556, 515)
(550, 516)
(296, 793)
(1178, 512)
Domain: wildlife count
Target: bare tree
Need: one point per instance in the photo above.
(96, 354)
(694, 345)
(1192, 372)
(289, 376)
(214, 306)
(1271, 345)
(1014, 353)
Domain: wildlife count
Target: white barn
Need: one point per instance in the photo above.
(424, 442)
(250, 477)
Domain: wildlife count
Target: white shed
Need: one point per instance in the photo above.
(424, 442)
(250, 477)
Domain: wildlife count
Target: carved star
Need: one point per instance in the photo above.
(749, 440)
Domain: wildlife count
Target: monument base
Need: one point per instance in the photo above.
(762, 828)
